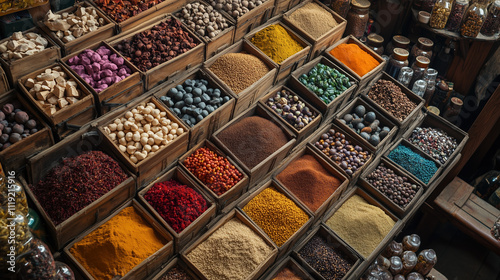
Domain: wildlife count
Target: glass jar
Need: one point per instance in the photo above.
(473, 20)
(411, 243)
(398, 60)
(457, 14)
(426, 261)
(423, 47)
(492, 22)
(398, 41)
(453, 109)
(375, 42)
(427, 5)
(419, 87)
(37, 262)
(440, 13)
(419, 66)
(357, 18)
(405, 76)
(17, 229)
(415, 276)
(489, 183)
(396, 265)
(393, 249)
(409, 260)
(430, 76)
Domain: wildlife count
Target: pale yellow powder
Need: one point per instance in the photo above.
(313, 19)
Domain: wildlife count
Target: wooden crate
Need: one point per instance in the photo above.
(252, 19)
(328, 110)
(190, 232)
(14, 157)
(250, 95)
(41, 164)
(20, 67)
(168, 69)
(386, 201)
(363, 81)
(291, 63)
(291, 264)
(318, 45)
(335, 242)
(280, 7)
(176, 262)
(114, 89)
(231, 195)
(147, 267)
(78, 114)
(272, 161)
(411, 118)
(384, 121)
(102, 33)
(306, 130)
(237, 215)
(4, 82)
(147, 169)
(332, 170)
(203, 129)
(388, 238)
(352, 140)
(122, 98)
(416, 150)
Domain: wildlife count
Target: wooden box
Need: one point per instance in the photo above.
(318, 45)
(250, 95)
(280, 7)
(291, 63)
(102, 33)
(329, 109)
(231, 195)
(114, 89)
(384, 121)
(204, 128)
(147, 267)
(291, 264)
(176, 262)
(17, 68)
(4, 82)
(78, 114)
(306, 130)
(363, 81)
(252, 19)
(416, 150)
(72, 146)
(332, 170)
(147, 169)
(335, 242)
(237, 215)
(14, 157)
(191, 231)
(386, 201)
(288, 245)
(411, 118)
(260, 170)
(121, 98)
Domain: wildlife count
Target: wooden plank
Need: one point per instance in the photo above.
(483, 204)
(481, 214)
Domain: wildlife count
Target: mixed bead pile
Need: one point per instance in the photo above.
(288, 105)
(434, 142)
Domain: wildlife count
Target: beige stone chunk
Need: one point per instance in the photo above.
(31, 35)
(29, 83)
(59, 91)
(71, 91)
(37, 87)
(42, 95)
(17, 35)
(62, 103)
(49, 83)
(72, 100)
(53, 100)
(60, 81)
(12, 45)
(46, 77)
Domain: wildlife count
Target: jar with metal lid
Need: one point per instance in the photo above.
(398, 41)
(423, 47)
(473, 20)
(427, 5)
(457, 14)
(411, 243)
(375, 42)
(419, 66)
(440, 13)
(341, 7)
(426, 261)
(492, 22)
(398, 60)
(357, 18)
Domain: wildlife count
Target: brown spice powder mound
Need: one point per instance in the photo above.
(239, 70)
(313, 19)
(253, 139)
(287, 273)
(390, 97)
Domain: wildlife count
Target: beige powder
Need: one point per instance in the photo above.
(313, 19)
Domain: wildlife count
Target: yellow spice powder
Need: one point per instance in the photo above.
(276, 43)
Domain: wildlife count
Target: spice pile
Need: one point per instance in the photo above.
(22, 45)
(234, 243)
(176, 273)
(239, 70)
(366, 125)
(69, 26)
(388, 95)
(276, 214)
(253, 139)
(236, 8)
(414, 163)
(121, 10)
(360, 224)
(331, 263)
(291, 108)
(215, 171)
(309, 181)
(434, 142)
(327, 83)
(352, 56)
(204, 20)
(77, 182)
(287, 274)
(117, 246)
(15, 124)
(159, 44)
(178, 204)
(276, 43)
(313, 19)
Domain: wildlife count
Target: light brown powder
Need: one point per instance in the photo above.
(313, 19)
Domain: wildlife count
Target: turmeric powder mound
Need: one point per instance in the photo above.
(117, 246)
(361, 225)
(355, 58)
(276, 43)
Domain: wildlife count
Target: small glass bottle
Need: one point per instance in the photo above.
(419, 87)
(457, 14)
(396, 265)
(430, 77)
(393, 249)
(427, 5)
(375, 42)
(398, 41)
(398, 60)
(405, 76)
(426, 261)
(419, 66)
(440, 13)
(357, 18)
(492, 23)
(423, 47)
(409, 260)
(453, 109)
(411, 242)
(341, 7)
(473, 20)
(415, 276)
